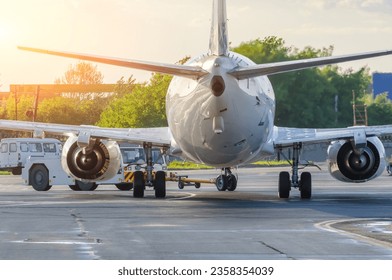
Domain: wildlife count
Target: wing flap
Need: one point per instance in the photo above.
(171, 69)
(285, 137)
(293, 65)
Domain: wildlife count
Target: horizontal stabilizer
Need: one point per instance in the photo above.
(171, 69)
(287, 66)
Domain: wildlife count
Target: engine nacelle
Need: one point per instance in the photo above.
(348, 164)
(99, 161)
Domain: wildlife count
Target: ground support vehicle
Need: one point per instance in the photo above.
(14, 152)
(37, 160)
(39, 164)
(183, 180)
(42, 173)
(222, 182)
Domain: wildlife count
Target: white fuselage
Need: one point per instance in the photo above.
(222, 129)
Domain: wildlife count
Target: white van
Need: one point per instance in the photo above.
(15, 151)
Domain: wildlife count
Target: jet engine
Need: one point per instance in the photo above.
(357, 165)
(99, 160)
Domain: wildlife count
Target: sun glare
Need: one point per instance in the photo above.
(4, 33)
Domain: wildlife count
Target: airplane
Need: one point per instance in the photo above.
(220, 110)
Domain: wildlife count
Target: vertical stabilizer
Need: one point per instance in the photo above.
(219, 44)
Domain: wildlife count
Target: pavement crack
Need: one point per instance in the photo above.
(86, 249)
(276, 250)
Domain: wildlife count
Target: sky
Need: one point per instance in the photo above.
(168, 30)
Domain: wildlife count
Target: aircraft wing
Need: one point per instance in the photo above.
(171, 69)
(293, 65)
(285, 137)
(159, 136)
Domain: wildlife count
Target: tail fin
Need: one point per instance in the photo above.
(219, 44)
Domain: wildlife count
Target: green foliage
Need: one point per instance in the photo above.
(59, 110)
(24, 104)
(124, 87)
(143, 106)
(175, 164)
(68, 110)
(186, 165)
(345, 83)
(271, 49)
(379, 109)
(3, 112)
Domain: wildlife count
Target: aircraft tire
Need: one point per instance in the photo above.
(138, 184)
(160, 184)
(86, 186)
(221, 183)
(231, 183)
(124, 186)
(74, 188)
(306, 185)
(284, 184)
(39, 178)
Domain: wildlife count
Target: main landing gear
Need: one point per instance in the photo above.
(303, 183)
(226, 181)
(158, 182)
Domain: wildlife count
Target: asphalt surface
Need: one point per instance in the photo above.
(341, 221)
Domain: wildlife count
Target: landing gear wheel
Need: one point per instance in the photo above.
(17, 171)
(86, 186)
(221, 183)
(39, 178)
(197, 185)
(231, 183)
(284, 184)
(160, 184)
(74, 188)
(138, 184)
(124, 186)
(83, 186)
(306, 185)
(181, 185)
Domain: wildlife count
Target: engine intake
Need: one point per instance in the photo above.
(99, 161)
(348, 164)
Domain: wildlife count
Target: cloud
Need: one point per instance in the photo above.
(308, 29)
(367, 6)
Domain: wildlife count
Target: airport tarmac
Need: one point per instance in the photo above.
(341, 221)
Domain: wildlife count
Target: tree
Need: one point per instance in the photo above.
(83, 73)
(62, 110)
(144, 106)
(124, 87)
(24, 105)
(76, 108)
(379, 109)
(270, 49)
(345, 82)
